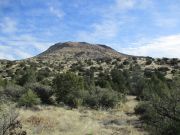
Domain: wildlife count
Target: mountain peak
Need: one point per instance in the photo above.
(80, 50)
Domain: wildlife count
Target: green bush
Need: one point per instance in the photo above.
(43, 92)
(162, 107)
(2, 82)
(69, 89)
(13, 91)
(29, 99)
(43, 73)
(103, 80)
(174, 61)
(119, 81)
(148, 61)
(102, 97)
(126, 62)
(163, 69)
(141, 108)
(29, 76)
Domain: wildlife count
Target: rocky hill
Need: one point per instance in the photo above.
(80, 57)
(80, 51)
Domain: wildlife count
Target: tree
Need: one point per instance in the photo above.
(161, 111)
(28, 77)
(69, 89)
(118, 81)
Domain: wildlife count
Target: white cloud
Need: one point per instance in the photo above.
(106, 29)
(55, 8)
(57, 12)
(21, 47)
(166, 46)
(112, 20)
(8, 25)
(22, 54)
(125, 4)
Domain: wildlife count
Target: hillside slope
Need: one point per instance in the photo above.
(80, 57)
(79, 51)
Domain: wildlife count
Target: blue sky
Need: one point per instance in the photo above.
(137, 27)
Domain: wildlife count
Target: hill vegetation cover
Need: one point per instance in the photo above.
(76, 75)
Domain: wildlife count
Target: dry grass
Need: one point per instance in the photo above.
(60, 121)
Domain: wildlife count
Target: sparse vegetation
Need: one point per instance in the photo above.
(93, 84)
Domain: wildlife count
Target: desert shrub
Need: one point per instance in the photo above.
(29, 99)
(9, 64)
(102, 97)
(134, 67)
(115, 62)
(148, 72)
(89, 81)
(148, 61)
(165, 59)
(121, 66)
(13, 91)
(126, 62)
(137, 85)
(10, 72)
(161, 109)
(118, 81)
(159, 61)
(2, 82)
(22, 64)
(28, 77)
(94, 68)
(173, 71)
(163, 69)
(141, 108)
(69, 89)
(134, 58)
(44, 92)
(103, 80)
(174, 61)
(9, 125)
(43, 73)
(89, 62)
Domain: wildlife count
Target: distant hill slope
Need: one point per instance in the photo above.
(80, 50)
(81, 57)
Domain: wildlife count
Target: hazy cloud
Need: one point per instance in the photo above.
(112, 19)
(57, 12)
(8, 25)
(166, 46)
(20, 47)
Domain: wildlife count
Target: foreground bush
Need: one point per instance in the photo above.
(102, 98)
(9, 125)
(29, 99)
(161, 110)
